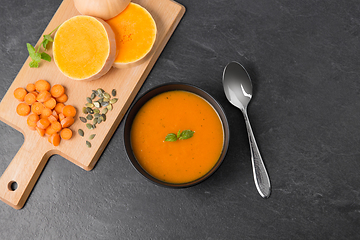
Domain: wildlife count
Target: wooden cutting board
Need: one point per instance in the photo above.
(31, 158)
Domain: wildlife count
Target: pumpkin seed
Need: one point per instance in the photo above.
(106, 95)
(95, 120)
(81, 132)
(106, 99)
(104, 104)
(83, 119)
(84, 110)
(103, 116)
(92, 136)
(114, 100)
(109, 107)
(104, 111)
(99, 120)
(89, 100)
(89, 110)
(97, 104)
(89, 117)
(93, 95)
(100, 100)
(90, 105)
(100, 90)
(113, 92)
(96, 111)
(89, 126)
(97, 115)
(88, 144)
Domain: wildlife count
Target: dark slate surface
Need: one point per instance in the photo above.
(303, 57)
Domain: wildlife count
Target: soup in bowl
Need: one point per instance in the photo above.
(176, 135)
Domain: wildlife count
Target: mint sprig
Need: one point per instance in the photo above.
(172, 137)
(37, 56)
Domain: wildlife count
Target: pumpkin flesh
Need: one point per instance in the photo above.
(82, 48)
(135, 33)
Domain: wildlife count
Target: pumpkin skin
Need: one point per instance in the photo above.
(135, 32)
(104, 9)
(76, 43)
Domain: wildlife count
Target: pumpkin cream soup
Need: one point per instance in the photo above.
(180, 160)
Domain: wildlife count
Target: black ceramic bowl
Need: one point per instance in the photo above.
(152, 93)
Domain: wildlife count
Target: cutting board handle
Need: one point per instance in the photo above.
(22, 173)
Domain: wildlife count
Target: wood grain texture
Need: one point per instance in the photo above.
(31, 158)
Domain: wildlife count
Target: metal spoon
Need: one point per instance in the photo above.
(238, 90)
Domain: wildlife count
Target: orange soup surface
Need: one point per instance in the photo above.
(180, 161)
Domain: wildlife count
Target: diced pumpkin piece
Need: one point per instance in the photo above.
(135, 32)
(76, 43)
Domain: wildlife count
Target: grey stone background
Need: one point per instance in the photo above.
(303, 57)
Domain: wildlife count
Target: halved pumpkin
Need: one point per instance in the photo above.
(84, 48)
(135, 32)
(104, 9)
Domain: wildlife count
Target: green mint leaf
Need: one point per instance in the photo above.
(36, 57)
(186, 134)
(30, 49)
(44, 43)
(48, 38)
(45, 57)
(178, 134)
(34, 64)
(171, 137)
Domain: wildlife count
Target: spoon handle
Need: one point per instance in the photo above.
(261, 177)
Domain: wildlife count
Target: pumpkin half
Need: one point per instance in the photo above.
(135, 33)
(104, 9)
(84, 48)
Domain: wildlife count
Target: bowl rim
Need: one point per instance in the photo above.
(149, 94)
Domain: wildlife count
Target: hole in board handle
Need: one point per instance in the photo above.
(12, 186)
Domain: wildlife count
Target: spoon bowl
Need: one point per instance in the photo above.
(238, 90)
